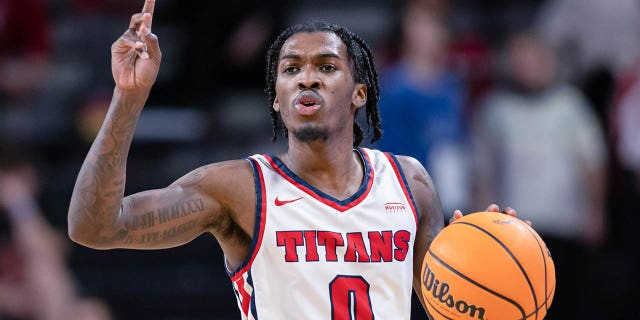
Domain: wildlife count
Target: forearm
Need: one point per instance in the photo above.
(99, 188)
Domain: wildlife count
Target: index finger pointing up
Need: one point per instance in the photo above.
(148, 6)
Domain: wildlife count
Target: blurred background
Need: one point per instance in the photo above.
(532, 104)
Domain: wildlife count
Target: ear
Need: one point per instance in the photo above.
(359, 97)
(276, 104)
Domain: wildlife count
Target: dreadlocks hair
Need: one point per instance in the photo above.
(363, 71)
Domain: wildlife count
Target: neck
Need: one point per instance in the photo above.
(318, 155)
(331, 167)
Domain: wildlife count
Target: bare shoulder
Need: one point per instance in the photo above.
(422, 188)
(417, 176)
(229, 183)
(218, 176)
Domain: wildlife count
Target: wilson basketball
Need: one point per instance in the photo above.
(488, 265)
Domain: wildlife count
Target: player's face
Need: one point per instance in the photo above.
(315, 91)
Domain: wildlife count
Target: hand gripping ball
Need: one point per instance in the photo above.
(488, 265)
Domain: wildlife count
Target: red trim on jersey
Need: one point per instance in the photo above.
(263, 219)
(324, 199)
(405, 188)
(244, 296)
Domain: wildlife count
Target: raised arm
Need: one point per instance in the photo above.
(430, 211)
(98, 215)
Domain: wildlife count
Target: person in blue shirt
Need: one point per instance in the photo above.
(422, 106)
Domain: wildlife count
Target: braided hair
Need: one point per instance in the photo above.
(363, 71)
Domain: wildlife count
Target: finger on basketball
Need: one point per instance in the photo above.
(493, 208)
(519, 283)
(457, 214)
(510, 211)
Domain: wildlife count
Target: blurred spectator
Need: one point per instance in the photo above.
(592, 33)
(539, 148)
(421, 104)
(24, 58)
(626, 122)
(24, 46)
(625, 185)
(34, 280)
(596, 41)
(471, 58)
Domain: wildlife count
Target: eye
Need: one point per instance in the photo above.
(327, 68)
(290, 70)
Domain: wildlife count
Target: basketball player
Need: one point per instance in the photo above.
(328, 229)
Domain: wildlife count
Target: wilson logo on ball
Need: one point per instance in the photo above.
(440, 291)
(457, 283)
(502, 221)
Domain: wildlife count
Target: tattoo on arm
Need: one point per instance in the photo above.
(95, 210)
(193, 178)
(158, 236)
(100, 183)
(161, 223)
(165, 214)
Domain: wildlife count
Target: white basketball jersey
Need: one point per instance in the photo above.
(317, 257)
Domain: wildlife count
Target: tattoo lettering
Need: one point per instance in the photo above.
(150, 237)
(157, 236)
(129, 239)
(179, 210)
(166, 214)
(144, 221)
(178, 230)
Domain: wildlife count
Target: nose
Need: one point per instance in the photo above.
(308, 79)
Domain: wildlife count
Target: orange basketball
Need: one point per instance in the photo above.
(488, 265)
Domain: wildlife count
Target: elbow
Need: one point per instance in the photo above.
(86, 237)
(88, 241)
(77, 233)
(76, 236)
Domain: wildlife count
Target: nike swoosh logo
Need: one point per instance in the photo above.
(280, 203)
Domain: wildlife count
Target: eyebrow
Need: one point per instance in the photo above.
(324, 55)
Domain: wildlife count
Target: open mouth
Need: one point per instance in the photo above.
(308, 102)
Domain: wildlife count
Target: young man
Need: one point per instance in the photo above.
(324, 230)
